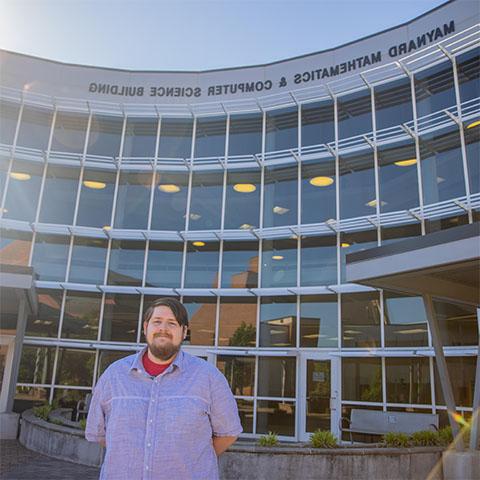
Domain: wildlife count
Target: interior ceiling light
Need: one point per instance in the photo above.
(344, 244)
(440, 179)
(244, 187)
(277, 257)
(321, 181)
(245, 226)
(373, 203)
(20, 176)
(94, 185)
(107, 227)
(195, 216)
(476, 123)
(169, 188)
(406, 163)
(280, 210)
(198, 244)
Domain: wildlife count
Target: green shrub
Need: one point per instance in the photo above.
(83, 423)
(425, 438)
(445, 436)
(323, 439)
(269, 440)
(394, 439)
(43, 411)
(56, 421)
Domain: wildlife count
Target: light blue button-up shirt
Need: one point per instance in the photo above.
(161, 427)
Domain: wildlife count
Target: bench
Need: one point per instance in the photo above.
(376, 422)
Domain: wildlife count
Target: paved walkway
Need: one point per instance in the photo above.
(18, 463)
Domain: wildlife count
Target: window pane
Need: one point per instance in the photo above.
(245, 411)
(318, 191)
(238, 320)
(69, 398)
(240, 265)
(242, 204)
(280, 197)
(120, 317)
(318, 123)
(36, 365)
(201, 314)
(88, 260)
(133, 199)
(50, 257)
(395, 234)
(75, 367)
(278, 320)
(210, 137)
(457, 323)
(15, 247)
(245, 135)
(29, 397)
(468, 65)
(105, 136)
(354, 242)
(59, 195)
(281, 129)
(472, 145)
(82, 311)
(170, 201)
(408, 380)
(405, 320)
(276, 377)
(96, 198)
(164, 268)
(107, 357)
(206, 202)
(319, 261)
(354, 114)
(279, 263)
(462, 376)
(23, 190)
(35, 128)
(126, 262)
(362, 379)
(69, 132)
(318, 321)
(202, 265)
(4, 166)
(240, 373)
(45, 322)
(278, 417)
(175, 138)
(8, 120)
(140, 137)
(361, 320)
(393, 104)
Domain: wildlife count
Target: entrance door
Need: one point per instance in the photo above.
(319, 399)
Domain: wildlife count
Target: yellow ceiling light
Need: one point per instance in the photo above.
(20, 176)
(344, 244)
(476, 123)
(277, 257)
(198, 244)
(245, 226)
(169, 188)
(406, 163)
(94, 185)
(321, 181)
(106, 227)
(373, 203)
(280, 210)
(244, 187)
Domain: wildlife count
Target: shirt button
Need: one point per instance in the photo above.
(146, 468)
(151, 421)
(153, 399)
(149, 444)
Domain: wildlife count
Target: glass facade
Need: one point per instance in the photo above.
(247, 218)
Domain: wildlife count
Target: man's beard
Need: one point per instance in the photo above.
(163, 351)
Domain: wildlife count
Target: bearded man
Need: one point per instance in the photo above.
(162, 413)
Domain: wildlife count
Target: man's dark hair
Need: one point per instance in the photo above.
(177, 308)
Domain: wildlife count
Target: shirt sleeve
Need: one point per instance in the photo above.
(95, 429)
(223, 411)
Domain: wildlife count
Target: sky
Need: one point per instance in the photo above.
(193, 35)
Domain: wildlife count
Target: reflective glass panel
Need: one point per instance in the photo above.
(457, 323)
(408, 380)
(23, 190)
(360, 320)
(45, 322)
(245, 135)
(280, 196)
(275, 416)
(245, 412)
(140, 137)
(242, 204)
(75, 367)
(69, 398)
(120, 317)
(15, 247)
(238, 319)
(279, 263)
(96, 198)
(318, 395)
(88, 260)
(434, 225)
(202, 265)
(210, 137)
(318, 123)
(126, 262)
(50, 257)
(175, 138)
(4, 165)
(240, 373)
(362, 379)
(276, 377)
(393, 103)
(354, 242)
(472, 146)
(278, 320)
(164, 267)
(206, 201)
(201, 314)
(69, 132)
(319, 261)
(405, 320)
(354, 114)
(468, 66)
(107, 357)
(105, 136)
(59, 195)
(395, 234)
(29, 397)
(240, 265)
(81, 316)
(35, 128)
(318, 321)
(36, 365)
(8, 121)
(281, 129)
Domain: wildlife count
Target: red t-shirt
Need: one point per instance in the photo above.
(153, 368)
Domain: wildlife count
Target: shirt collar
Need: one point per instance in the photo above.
(137, 363)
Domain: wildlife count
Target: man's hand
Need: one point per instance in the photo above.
(220, 444)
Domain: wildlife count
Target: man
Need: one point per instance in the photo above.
(162, 413)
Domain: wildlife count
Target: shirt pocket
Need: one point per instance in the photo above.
(185, 415)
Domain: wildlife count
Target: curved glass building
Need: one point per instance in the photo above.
(241, 192)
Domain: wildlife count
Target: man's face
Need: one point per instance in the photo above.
(163, 333)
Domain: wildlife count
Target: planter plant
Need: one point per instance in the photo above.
(323, 439)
